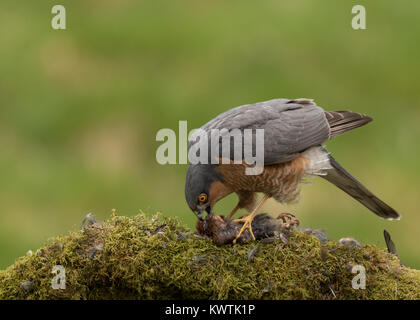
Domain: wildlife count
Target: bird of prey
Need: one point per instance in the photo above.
(294, 133)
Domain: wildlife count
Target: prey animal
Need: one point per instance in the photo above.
(294, 133)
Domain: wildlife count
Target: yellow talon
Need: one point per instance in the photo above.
(247, 224)
(248, 219)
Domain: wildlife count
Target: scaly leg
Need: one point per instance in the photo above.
(248, 219)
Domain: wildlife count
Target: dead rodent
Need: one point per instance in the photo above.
(223, 232)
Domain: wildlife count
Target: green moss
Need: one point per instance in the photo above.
(156, 258)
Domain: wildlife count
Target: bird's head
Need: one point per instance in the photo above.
(203, 188)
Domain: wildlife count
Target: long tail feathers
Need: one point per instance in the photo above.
(343, 121)
(346, 182)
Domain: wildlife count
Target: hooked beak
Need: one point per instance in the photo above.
(200, 214)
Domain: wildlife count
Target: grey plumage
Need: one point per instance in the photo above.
(290, 128)
(199, 178)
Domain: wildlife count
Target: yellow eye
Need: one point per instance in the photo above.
(202, 197)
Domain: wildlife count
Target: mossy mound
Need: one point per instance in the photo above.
(156, 258)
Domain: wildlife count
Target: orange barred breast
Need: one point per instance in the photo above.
(280, 181)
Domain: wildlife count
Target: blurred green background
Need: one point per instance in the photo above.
(80, 108)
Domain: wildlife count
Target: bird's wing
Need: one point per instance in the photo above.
(290, 126)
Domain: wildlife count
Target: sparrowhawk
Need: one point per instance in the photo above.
(294, 133)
